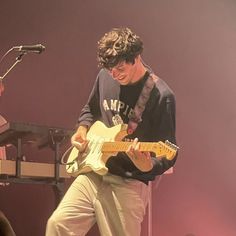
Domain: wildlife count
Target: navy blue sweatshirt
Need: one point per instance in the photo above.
(112, 103)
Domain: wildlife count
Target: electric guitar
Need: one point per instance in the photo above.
(104, 142)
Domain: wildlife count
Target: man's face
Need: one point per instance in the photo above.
(124, 72)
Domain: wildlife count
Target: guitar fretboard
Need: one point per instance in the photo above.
(122, 146)
(159, 148)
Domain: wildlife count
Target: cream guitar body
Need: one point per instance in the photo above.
(104, 142)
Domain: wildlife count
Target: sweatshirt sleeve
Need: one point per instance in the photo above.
(91, 111)
(165, 131)
(164, 116)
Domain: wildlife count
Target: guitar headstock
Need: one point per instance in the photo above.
(165, 149)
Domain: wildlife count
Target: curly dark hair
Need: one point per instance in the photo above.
(119, 44)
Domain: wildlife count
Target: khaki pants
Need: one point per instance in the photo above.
(116, 204)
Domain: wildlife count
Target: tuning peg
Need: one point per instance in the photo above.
(171, 145)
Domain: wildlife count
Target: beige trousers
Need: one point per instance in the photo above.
(117, 205)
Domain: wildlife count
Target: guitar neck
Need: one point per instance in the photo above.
(123, 146)
(161, 149)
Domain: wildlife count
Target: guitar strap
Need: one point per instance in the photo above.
(144, 96)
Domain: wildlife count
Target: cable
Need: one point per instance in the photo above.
(63, 162)
(6, 54)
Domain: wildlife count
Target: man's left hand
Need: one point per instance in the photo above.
(142, 160)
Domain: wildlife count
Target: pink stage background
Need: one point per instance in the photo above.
(188, 43)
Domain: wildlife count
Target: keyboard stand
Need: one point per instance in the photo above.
(20, 171)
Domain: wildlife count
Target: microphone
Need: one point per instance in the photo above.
(38, 48)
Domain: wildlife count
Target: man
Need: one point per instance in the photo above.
(117, 200)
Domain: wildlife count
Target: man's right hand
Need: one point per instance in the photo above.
(79, 138)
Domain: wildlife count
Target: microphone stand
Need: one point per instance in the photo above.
(152, 185)
(18, 59)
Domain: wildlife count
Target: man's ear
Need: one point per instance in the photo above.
(137, 59)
